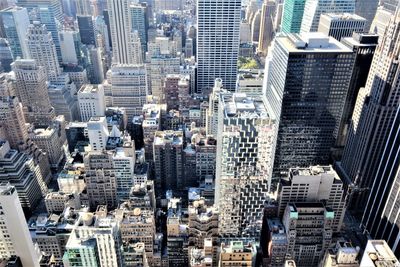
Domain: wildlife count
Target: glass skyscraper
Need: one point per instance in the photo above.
(292, 15)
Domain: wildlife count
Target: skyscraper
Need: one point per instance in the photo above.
(217, 43)
(314, 9)
(245, 152)
(86, 29)
(121, 32)
(49, 13)
(15, 21)
(16, 240)
(128, 88)
(43, 50)
(307, 78)
(363, 45)
(267, 30)
(373, 117)
(140, 22)
(292, 16)
(366, 9)
(31, 89)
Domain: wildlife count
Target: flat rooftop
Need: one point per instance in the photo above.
(312, 42)
(343, 16)
(243, 106)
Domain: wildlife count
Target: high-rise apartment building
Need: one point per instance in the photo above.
(315, 8)
(91, 101)
(374, 115)
(302, 219)
(341, 25)
(168, 160)
(16, 240)
(31, 90)
(307, 79)
(42, 49)
(15, 21)
(160, 67)
(128, 88)
(267, 30)
(245, 152)
(314, 184)
(218, 25)
(292, 16)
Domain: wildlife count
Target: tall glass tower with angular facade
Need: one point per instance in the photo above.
(218, 23)
(292, 15)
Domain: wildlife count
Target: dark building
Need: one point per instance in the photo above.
(363, 46)
(86, 30)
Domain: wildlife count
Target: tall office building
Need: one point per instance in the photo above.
(373, 117)
(363, 46)
(315, 8)
(16, 240)
(49, 13)
(292, 16)
(307, 78)
(42, 49)
(366, 9)
(121, 32)
(15, 22)
(341, 25)
(267, 30)
(20, 171)
(140, 22)
(300, 219)
(380, 217)
(6, 56)
(245, 152)
(128, 88)
(31, 90)
(83, 7)
(86, 29)
(390, 5)
(217, 43)
(314, 184)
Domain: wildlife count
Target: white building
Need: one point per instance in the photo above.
(68, 38)
(128, 88)
(121, 32)
(218, 24)
(98, 133)
(91, 101)
(378, 253)
(315, 8)
(314, 184)
(42, 48)
(14, 233)
(245, 155)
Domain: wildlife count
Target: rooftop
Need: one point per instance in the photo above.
(343, 16)
(313, 42)
(172, 137)
(90, 89)
(242, 106)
